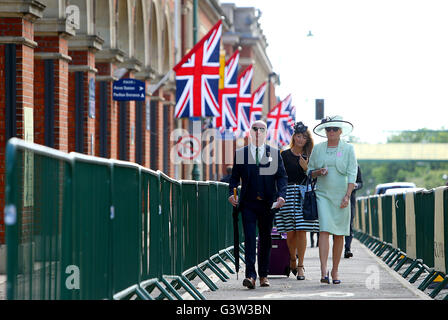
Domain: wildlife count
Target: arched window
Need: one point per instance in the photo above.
(139, 32)
(123, 36)
(154, 39)
(104, 23)
(166, 45)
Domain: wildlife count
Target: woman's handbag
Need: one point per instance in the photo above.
(309, 201)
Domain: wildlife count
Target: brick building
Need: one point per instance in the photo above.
(59, 59)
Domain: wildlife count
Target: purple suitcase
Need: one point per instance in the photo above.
(279, 263)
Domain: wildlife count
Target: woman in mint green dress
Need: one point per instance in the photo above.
(334, 164)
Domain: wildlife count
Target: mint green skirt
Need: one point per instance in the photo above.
(330, 190)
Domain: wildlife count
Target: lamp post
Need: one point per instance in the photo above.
(271, 75)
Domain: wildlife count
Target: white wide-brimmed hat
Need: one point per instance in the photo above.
(335, 121)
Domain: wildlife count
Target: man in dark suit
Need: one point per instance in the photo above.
(348, 239)
(226, 178)
(263, 182)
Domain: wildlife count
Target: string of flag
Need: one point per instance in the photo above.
(210, 87)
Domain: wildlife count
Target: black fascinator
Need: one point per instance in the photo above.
(299, 127)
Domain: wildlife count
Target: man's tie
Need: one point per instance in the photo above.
(256, 157)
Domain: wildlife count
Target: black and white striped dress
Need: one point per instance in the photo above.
(290, 216)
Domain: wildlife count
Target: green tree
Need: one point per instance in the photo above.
(421, 135)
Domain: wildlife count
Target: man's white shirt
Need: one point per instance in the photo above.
(253, 150)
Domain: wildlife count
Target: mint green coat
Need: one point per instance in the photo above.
(331, 189)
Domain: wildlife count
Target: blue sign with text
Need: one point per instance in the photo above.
(129, 90)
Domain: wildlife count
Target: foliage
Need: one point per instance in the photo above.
(425, 174)
(428, 174)
(421, 135)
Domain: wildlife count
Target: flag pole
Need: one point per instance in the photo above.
(195, 173)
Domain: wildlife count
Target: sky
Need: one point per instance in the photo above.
(380, 64)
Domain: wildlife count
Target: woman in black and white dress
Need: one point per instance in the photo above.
(290, 218)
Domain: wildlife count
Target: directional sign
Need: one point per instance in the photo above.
(128, 90)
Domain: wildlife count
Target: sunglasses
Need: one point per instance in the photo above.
(334, 129)
(262, 130)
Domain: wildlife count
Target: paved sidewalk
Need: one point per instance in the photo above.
(364, 277)
(2, 287)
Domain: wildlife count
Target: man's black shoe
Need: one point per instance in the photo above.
(348, 254)
(249, 283)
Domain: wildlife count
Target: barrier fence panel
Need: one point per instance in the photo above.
(374, 230)
(152, 225)
(167, 239)
(411, 249)
(361, 214)
(206, 209)
(226, 213)
(380, 217)
(82, 227)
(190, 209)
(35, 203)
(444, 253)
(92, 227)
(223, 218)
(386, 208)
(126, 225)
(177, 227)
(368, 219)
(440, 225)
(400, 221)
(214, 227)
(416, 224)
(424, 221)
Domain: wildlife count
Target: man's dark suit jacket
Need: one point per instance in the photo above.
(273, 175)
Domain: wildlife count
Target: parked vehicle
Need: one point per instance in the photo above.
(381, 188)
(402, 190)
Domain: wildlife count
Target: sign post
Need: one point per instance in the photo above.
(129, 90)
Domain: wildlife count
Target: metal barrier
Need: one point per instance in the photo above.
(408, 229)
(82, 227)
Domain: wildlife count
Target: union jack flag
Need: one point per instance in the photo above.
(256, 108)
(291, 109)
(244, 101)
(197, 78)
(228, 95)
(280, 123)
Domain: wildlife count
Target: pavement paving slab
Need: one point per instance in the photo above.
(364, 277)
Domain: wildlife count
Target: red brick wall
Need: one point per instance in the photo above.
(107, 69)
(39, 102)
(55, 44)
(113, 118)
(71, 114)
(15, 27)
(146, 137)
(131, 131)
(130, 126)
(168, 96)
(84, 59)
(61, 104)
